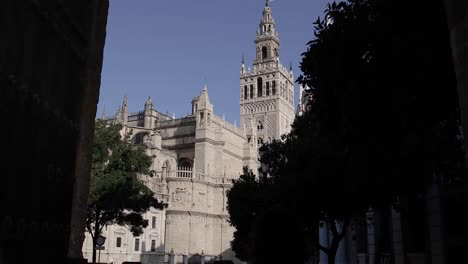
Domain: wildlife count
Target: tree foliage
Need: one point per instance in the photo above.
(116, 195)
(260, 213)
(383, 122)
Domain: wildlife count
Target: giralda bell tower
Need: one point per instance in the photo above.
(266, 91)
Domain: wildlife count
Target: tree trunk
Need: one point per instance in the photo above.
(333, 249)
(96, 234)
(331, 258)
(337, 237)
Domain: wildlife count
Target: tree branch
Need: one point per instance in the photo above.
(332, 224)
(343, 229)
(324, 249)
(88, 226)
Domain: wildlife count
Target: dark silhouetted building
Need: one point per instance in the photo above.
(50, 68)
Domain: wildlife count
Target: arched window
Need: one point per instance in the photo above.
(267, 88)
(251, 91)
(260, 126)
(245, 91)
(201, 118)
(184, 163)
(260, 141)
(138, 138)
(273, 87)
(264, 53)
(184, 168)
(259, 86)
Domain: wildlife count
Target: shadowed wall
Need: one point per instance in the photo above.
(50, 68)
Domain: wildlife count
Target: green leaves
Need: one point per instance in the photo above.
(116, 195)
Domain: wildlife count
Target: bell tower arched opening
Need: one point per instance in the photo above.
(264, 53)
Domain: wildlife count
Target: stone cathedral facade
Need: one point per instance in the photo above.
(195, 159)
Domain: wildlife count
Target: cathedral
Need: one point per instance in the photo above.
(195, 159)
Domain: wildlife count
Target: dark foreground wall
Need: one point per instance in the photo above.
(456, 235)
(50, 66)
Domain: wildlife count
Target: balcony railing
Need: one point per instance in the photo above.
(188, 173)
(186, 121)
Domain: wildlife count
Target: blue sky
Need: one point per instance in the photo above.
(167, 48)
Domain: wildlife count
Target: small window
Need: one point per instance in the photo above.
(153, 245)
(138, 138)
(153, 222)
(260, 126)
(137, 244)
(245, 91)
(201, 118)
(118, 242)
(267, 88)
(273, 87)
(264, 53)
(251, 91)
(259, 141)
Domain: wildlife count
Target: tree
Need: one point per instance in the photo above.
(383, 122)
(260, 213)
(242, 205)
(116, 195)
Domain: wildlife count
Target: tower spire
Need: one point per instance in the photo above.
(267, 40)
(242, 70)
(104, 112)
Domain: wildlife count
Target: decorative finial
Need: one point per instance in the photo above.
(290, 66)
(267, 2)
(205, 87)
(125, 100)
(104, 112)
(242, 57)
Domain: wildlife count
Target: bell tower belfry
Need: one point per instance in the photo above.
(267, 91)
